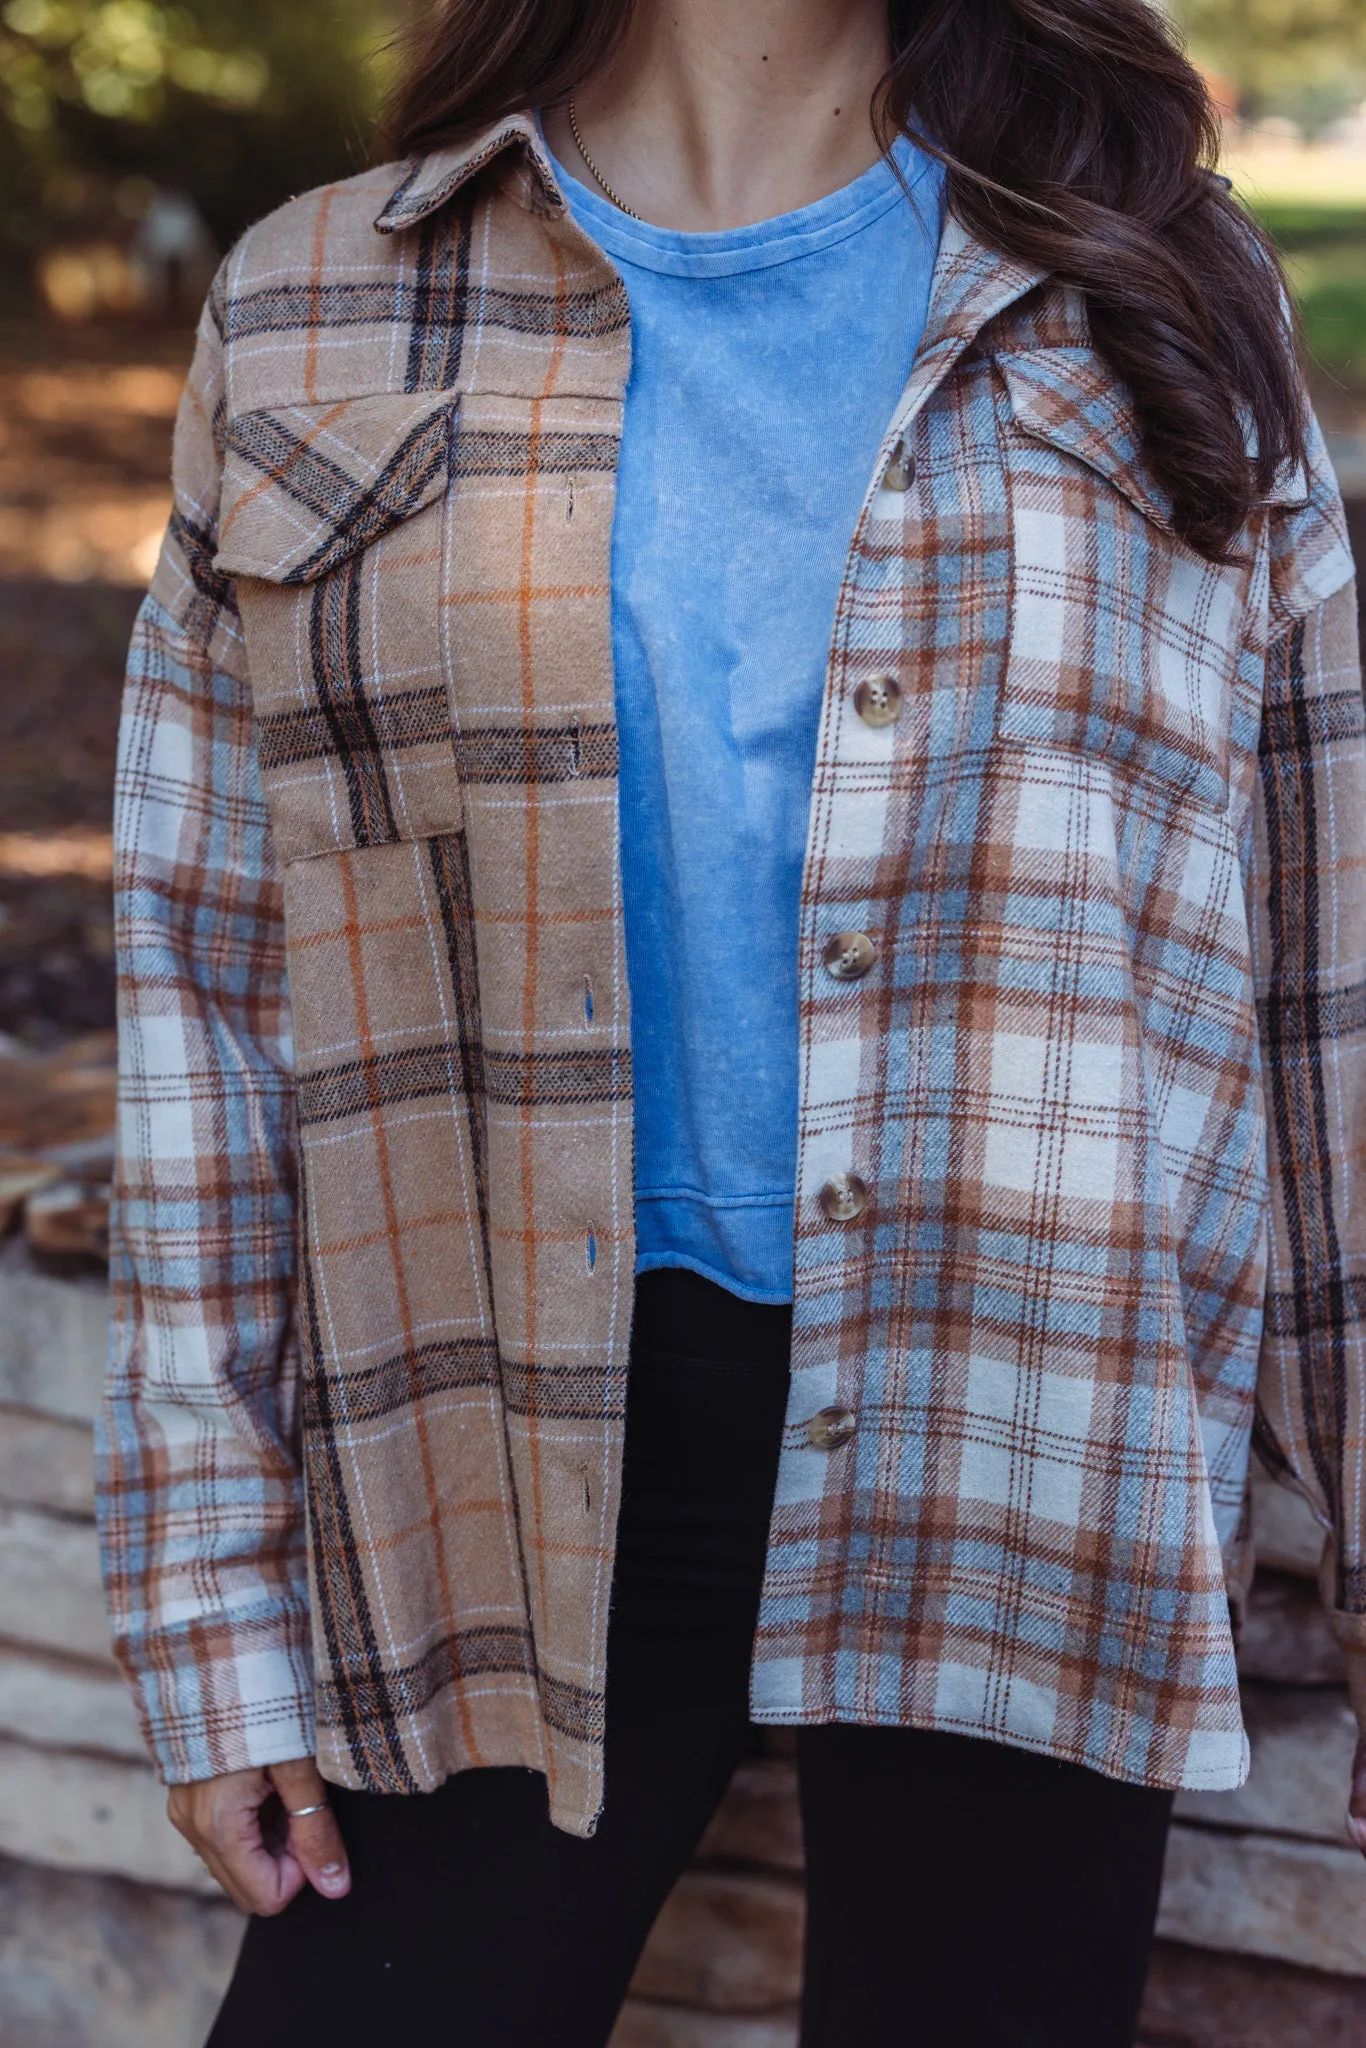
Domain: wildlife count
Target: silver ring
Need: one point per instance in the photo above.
(302, 1812)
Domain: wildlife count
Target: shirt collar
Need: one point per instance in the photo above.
(428, 181)
(972, 281)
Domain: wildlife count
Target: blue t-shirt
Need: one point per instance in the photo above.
(767, 362)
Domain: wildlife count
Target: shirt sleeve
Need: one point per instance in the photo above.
(200, 1502)
(1307, 904)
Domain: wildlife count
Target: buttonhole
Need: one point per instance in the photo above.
(588, 999)
(592, 1250)
(587, 1496)
(569, 508)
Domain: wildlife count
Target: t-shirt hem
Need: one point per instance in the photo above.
(656, 1262)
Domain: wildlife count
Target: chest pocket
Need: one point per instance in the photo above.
(334, 525)
(1123, 640)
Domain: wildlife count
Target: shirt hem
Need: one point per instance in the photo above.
(656, 1262)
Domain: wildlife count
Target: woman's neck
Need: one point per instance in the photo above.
(716, 113)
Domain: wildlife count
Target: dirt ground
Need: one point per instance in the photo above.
(85, 429)
(85, 426)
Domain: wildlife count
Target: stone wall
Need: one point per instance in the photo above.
(110, 1936)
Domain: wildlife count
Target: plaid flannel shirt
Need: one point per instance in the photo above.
(1081, 962)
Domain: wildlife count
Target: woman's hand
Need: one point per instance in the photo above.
(221, 1819)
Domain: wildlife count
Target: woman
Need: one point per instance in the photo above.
(742, 812)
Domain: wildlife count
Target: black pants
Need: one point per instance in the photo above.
(960, 1894)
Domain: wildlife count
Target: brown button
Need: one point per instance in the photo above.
(877, 700)
(831, 1427)
(899, 474)
(844, 1197)
(849, 955)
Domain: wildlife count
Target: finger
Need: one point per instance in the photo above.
(255, 1879)
(225, 1829)
(223, 1878)
(314, 1837)
(178, 1813)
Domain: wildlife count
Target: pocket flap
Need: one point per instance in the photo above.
(1070, 399)
(306, 486)
(1067, 397)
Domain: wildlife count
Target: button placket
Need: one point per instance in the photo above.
(878, 700)
(848, 956)
(899, 474)
(831, 1428)
(844, 1197)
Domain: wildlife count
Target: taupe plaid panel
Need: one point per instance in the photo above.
(374, 990)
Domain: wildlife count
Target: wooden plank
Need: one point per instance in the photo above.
(46, 1464)
(1302, 1745)
(1286, 1637)
(67, 1706)
(673, 2026)
(1301, 1902)
(54, 1335)
(726, 1942)
(1288, 1539)
(52, 1101)
(69, 1220)
(92, 1962)
(758, 1820)
(92, 1813)
(1198, 2000)
(51, 1596)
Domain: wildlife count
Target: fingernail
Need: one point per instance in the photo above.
(332, 1874)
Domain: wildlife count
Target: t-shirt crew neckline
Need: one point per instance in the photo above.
(784, 238)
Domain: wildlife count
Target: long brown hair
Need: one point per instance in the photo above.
(1076, 136)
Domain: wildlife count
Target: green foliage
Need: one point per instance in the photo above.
(238, 102)
(1335, 326)
(1328, 272)
(1324, 249)
(1305, 59)
(1296, 224)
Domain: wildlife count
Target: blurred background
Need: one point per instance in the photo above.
(136, 141)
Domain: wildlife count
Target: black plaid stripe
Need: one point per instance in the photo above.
(555, 753)
(384, 1698)
(421, 718)
(1290, 1315)
(340, 1604)
(413, 718)
(1293, 1016)
(549, 1393)
(451, 1366)
(486, 452)
(198, 546)
(299, 308)
(339, 678)
(450, 865)
(457, 1365)
(511, 1079)
(355, 514)
(543, 1079)
(1293, 1019)
(440, 303)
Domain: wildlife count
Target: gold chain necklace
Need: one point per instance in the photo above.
(579, 143)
